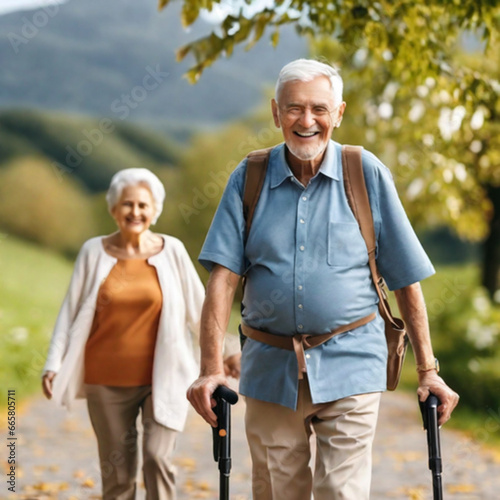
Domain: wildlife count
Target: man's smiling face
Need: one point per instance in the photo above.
(307, 114)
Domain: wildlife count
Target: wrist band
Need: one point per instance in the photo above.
(432, 365)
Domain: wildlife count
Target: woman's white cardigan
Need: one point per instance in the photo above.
(174, 366)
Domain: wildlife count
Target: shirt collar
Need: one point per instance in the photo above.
(281, 171)
(279, 167)
(331, 164)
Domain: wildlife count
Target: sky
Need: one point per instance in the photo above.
(13, 5)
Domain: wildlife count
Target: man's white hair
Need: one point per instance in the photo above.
(134, 177)
(306, 70)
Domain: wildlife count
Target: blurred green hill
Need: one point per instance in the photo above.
(95, 57)
(91, 150)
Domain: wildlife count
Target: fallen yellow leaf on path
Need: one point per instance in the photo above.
(42, 486)
(204, 486)
(186, 463)
(63, 486)
(415, 494)
(88, 483)
(461, 488)
(197, 487)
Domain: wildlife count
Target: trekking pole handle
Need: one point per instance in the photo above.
(224, 397)
(228, 395)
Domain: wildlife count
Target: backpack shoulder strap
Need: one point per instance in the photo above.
(257, 162)
(357, 196)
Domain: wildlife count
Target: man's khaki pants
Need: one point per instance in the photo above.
(113, 412)
(279, 440)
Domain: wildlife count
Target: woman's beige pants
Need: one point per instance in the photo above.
(279, 440)
(113, 412)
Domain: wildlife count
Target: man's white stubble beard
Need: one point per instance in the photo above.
(302, 155)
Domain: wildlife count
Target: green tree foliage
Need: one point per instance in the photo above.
(415, 36)
(439, 110)
(39, 207)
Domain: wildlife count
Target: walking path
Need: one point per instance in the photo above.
(57, 457)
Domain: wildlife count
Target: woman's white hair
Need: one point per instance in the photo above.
(306, 70)
(134, 177)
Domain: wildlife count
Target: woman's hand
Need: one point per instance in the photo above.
(47, 380)
(232, 365)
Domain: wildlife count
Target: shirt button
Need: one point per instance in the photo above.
(302, 248)
(300, 287)
(304, 198)
(308, 356)
(300, 306)
(300, 327)
(302, 221)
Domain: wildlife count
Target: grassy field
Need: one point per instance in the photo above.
(32, 285)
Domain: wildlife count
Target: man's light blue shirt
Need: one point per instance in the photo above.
(307, 271)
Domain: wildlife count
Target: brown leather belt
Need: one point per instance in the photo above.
(301, 342)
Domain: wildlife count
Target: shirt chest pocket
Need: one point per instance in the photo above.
(346, 246)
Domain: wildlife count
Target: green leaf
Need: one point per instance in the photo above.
(182, 52)
(162, 4)
(189, 13)
(228, 47)
(260, 25)
(193, 75)
(275, 38)
(245, 29)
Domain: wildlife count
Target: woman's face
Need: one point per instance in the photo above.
(135, 210)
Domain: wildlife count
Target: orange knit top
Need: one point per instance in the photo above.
(120, 348)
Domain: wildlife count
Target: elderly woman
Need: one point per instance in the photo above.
(124, 339)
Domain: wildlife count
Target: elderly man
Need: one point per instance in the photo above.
(306, 268)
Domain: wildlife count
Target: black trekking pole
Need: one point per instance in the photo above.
(222, 436)
(430, 418)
